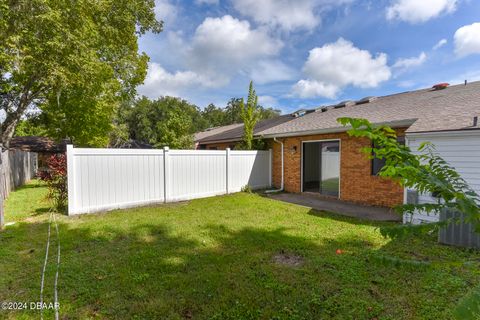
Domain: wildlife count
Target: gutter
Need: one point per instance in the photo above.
(281, 183)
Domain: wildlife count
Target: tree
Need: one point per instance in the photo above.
(76, 60)
(250, 116)
(233, 111)
(426, 172)
(213, 116)
(167, 121)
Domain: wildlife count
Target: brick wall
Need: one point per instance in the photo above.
(356, 182)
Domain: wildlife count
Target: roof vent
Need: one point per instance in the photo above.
(343, 104)
(366, 100)
(440, 86)
(299, 113)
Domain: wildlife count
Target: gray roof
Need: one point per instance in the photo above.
(214, 131)
(426, 110)
(234, 132)
(423, 110)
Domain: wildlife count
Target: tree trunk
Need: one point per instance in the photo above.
(10, 123)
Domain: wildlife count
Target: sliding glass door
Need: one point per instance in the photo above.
(321, 167)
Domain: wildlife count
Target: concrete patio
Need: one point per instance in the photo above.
(317, 202)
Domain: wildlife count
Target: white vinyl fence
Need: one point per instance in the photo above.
(107, 179)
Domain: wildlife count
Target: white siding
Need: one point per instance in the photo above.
(106, 179)
(461, 150)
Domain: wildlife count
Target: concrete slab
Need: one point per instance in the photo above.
(321, 203)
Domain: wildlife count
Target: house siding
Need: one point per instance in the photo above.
(461, 150)
(356, 182)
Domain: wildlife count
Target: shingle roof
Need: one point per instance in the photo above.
(234, 132)
(425, 110)
(214, 131)
(38, 144)
(428, 110)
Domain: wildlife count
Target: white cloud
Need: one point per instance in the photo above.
(160, 82)
(417, 11)
(408, 63)
(467, 40)
(224, 46)
(165, 11)
(211, 2)
(337, 65)
(286, 14)
(267, 101)
(266, 71)
(440, 44)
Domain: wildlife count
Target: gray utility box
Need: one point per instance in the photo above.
(458, 234)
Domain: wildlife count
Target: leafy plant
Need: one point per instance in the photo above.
(247, 189)
(56, 179)
(250, 116)
(426, 172)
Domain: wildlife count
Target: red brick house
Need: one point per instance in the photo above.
(313, 153)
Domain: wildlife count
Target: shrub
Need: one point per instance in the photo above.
(56, 179)
(247, 189)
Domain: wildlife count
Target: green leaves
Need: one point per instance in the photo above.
(84, 51)
(250, 116)
(425, 171)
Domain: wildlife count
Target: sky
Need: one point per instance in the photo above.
(308, 53)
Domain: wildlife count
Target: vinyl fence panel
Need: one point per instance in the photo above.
(106, 179)
(248, 168)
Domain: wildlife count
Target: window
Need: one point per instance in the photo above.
(378, 164)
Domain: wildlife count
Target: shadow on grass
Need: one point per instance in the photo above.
(217, 272)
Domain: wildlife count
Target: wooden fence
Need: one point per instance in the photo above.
(16, 168)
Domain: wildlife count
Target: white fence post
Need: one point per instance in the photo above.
(270, 168)
(227, 156)
(166, 175)
(71, 179)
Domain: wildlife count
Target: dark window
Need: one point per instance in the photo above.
(232, 146)
(378, 164)
(203, 147)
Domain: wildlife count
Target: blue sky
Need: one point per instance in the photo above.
(307, 53)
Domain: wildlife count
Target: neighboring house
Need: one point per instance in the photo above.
(313, 153)
(43, 146)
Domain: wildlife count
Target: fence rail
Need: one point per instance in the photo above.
(107, 179)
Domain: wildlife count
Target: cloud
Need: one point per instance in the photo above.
(165, 11)
(467, 40)
(440, 44)
(336, 65)
(286, 14)
(160, 82)
(226, 45)
(267, 71)
(210, 2)
(267, 101)
(408, 63)
(417, 11)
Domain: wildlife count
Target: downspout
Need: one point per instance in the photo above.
(281, 181)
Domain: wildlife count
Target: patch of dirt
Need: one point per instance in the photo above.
(288, 259)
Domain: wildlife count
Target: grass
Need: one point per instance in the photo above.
(214, 259)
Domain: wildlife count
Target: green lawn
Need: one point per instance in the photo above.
(217, 258)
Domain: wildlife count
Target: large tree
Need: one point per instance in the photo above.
(167, 121)
(75, 59)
